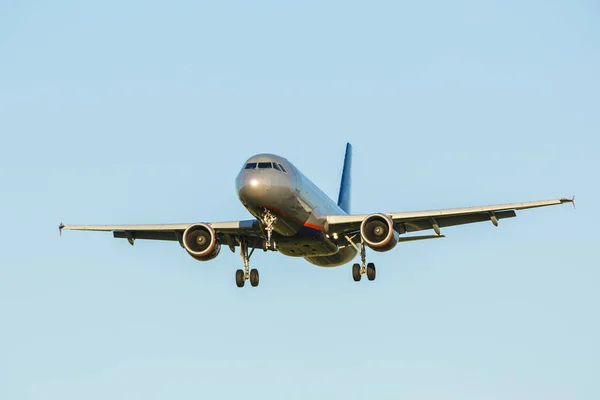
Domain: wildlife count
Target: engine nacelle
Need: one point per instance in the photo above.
(200, 241)
(379, 233)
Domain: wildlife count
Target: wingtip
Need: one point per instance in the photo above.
(60, 228)
(571, 200)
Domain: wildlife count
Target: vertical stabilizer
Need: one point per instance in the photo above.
(344, 196)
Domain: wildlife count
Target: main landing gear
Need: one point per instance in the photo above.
(358, 270)
(243, 275)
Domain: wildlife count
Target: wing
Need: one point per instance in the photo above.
(435, 219)
(227, 231)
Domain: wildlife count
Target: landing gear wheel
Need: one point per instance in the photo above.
(254, 277)
(371, 271)
(356, 275)
(239, 278)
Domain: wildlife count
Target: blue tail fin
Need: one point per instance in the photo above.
(344, 196)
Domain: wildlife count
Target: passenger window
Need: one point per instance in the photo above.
(276, 167)
(264, 165)
(283, 169)
(251, 165)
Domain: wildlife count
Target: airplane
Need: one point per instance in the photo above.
(294, 217)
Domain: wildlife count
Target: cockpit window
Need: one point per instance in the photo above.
(283, 169)
(276, 167)
(251, 165)
(264, 165)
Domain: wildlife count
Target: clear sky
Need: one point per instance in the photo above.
(144, 111)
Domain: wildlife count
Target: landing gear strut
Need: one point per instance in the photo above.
(358, 270)
(241, 276)
(269, 220)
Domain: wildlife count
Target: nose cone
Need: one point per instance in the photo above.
(253, 187)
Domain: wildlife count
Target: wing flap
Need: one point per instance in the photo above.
(414, 238)
(150, 235)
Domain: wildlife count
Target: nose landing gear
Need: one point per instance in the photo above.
(241, 276)
(269, 220)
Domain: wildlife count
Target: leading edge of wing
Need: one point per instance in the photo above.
(478, 209)
(230, 226)
(138, 227)
(335, 220)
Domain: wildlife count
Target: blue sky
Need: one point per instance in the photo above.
(143, 112)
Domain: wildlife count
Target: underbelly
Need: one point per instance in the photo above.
(307, 242)
(317, 250)
(343, 256)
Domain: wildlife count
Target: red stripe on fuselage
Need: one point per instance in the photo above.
(313, 226)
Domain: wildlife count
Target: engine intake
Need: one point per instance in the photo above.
(200, 241)
(379, 233)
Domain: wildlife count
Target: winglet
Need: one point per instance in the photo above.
(571, 200)
(60, 228)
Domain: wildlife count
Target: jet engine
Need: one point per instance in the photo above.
(378, 232)
(200, 241)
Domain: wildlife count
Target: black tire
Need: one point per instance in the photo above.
(254, 277)
(356, 272)
(371, 271)
(239, 278)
